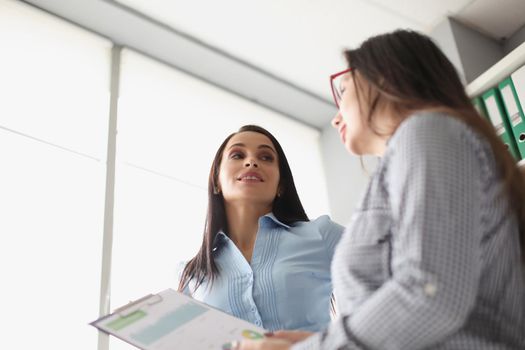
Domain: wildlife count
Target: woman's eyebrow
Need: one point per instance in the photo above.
(240, 144)
(267, 146)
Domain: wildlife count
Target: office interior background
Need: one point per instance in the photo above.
(111, 112)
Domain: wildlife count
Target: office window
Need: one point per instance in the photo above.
(169, 127)
(53, 138)
(53, 131)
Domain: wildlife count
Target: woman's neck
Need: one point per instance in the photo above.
(243, 222)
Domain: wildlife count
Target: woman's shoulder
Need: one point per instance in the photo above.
(324, 221)
(179, 267)
(429, 126)
(179, 270)
(431, 134)
(320, 221)
(322, 225)
(440, 142)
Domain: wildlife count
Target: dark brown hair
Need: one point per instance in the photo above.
(287, 208)
(407, 72)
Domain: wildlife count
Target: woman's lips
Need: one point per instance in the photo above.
(250, 176)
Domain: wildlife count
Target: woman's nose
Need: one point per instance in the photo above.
(250, 162)
(336, 120)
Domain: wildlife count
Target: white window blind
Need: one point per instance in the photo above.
(53, 132)
(169, 127)
(53, 137)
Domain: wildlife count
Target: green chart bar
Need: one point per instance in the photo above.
(169, 323)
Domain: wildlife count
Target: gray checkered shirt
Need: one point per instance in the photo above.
(430, 258)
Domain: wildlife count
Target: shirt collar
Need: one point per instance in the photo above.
(270, 218)
(264, 221)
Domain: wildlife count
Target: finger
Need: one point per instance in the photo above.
(265, 344)
(293, 336)
(246, 345)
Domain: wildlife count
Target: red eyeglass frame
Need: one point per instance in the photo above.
(332, 77)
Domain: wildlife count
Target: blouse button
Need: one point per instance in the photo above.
(430, 289)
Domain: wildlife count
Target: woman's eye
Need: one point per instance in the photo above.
(267, 157)
(236, 155)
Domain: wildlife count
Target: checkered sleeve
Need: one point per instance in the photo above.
(432, 179)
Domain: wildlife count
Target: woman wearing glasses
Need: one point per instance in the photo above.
(434, 256)
(261, 259)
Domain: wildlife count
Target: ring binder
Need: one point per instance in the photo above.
(514, 112)
(498, 116)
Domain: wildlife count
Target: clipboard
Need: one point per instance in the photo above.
(170, 319)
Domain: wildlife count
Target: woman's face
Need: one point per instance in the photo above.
(351, 121)
(249, 170)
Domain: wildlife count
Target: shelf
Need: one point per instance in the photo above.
(502, 69)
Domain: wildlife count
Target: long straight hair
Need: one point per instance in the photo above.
(406, 71)
(286, 207)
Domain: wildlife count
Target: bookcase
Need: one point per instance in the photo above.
(499, 71)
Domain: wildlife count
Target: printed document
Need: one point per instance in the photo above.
(170, 320)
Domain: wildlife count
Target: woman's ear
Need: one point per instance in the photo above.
(216, 186)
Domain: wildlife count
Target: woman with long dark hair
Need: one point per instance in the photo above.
(434, 255)
(261, 258)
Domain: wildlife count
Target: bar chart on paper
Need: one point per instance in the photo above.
(170, 319)
(168, 323)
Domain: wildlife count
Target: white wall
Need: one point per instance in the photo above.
(345, 177)
(477, 51)
(514, 41)
(470, 52)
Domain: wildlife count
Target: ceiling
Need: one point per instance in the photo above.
(291, 45)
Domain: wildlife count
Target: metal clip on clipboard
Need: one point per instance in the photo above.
(138, 304)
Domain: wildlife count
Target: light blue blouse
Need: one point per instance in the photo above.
(287, 285)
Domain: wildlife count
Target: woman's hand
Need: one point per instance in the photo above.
(280, 340)
(263, 344)
(291, 336)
